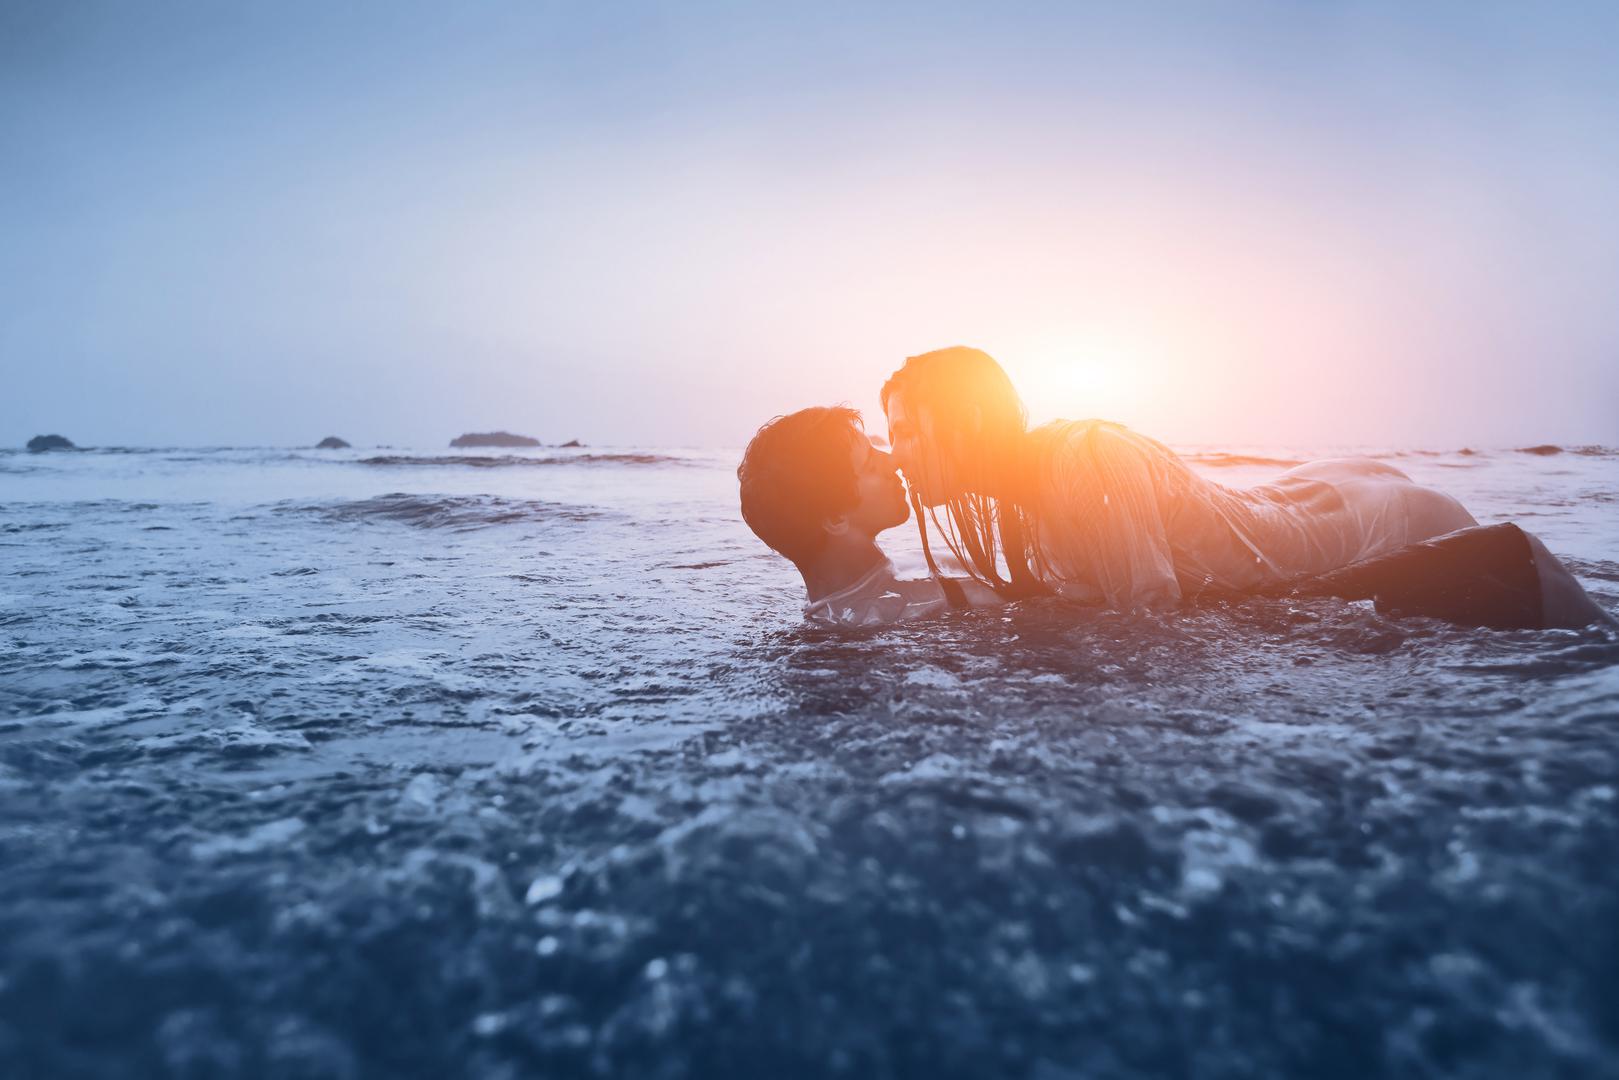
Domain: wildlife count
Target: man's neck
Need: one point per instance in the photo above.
(843, 562)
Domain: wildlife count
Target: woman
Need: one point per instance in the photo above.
(1093, 511)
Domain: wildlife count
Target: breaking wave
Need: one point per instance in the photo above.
(1222, 459)
(456, 512)
(1218, 460)
(1549, 449)
(501, 461)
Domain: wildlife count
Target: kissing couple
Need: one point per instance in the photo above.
(1090, 511)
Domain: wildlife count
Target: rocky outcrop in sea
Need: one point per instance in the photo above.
(50, 442)
(493, 438)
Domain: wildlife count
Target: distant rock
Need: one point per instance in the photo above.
(494, 438)
(50, 442)
(572, 444)
(331, 442)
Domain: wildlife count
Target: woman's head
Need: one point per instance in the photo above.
(957, 430)
(955, 423)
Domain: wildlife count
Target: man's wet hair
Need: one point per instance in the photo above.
(795, 474)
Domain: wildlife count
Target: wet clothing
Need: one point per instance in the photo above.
(1494, 576)
(880, 598)
(1120, 519)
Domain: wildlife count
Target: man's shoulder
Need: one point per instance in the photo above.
(878, 599)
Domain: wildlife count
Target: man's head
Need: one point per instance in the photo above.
(811, 476)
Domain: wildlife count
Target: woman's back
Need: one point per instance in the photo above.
(1119, 517)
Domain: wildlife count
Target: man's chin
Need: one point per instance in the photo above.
(901, 514)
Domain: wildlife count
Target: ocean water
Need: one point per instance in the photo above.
(398, 763)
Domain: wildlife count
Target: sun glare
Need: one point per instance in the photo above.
(1082, 379)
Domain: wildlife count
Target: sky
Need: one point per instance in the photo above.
(1238, 223)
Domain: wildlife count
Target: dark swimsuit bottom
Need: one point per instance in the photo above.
(1484, 576)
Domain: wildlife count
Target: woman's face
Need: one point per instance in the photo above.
(910, 435)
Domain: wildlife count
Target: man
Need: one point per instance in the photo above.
(816, 490)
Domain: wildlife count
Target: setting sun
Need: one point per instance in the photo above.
(1087, 376)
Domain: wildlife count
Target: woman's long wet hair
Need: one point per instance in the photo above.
(975, 432)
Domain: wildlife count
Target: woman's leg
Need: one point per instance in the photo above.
(1563, 602)
(1494, 576)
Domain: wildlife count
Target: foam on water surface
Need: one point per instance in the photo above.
(436, 768)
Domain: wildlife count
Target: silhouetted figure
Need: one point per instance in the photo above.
(816, 490)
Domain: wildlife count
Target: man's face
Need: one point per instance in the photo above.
(881, 502)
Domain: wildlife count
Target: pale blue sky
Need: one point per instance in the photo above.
(1349, 223)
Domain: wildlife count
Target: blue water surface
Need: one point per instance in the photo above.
(399, 763)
